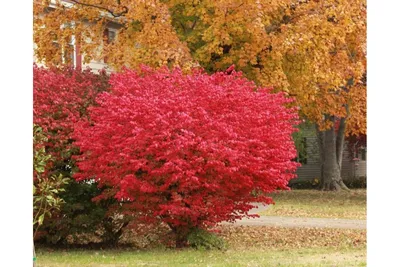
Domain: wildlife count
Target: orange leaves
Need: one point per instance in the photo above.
(358, 110)
(294, 46)
(325, 52)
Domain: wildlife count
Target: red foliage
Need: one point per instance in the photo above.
(60, 99)
(188, 149)
(355, 144)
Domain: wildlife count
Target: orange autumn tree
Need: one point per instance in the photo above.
(311, 49)
(324, 61)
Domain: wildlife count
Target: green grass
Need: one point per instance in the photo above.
(319, 204)
(232, 257)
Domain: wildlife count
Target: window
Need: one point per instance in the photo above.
(109, 37)
(302, 151)
(360, 153)
(67, 54)
(363, 154)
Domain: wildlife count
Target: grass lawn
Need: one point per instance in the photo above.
(345, 257)
(247, 246)
(319, 204)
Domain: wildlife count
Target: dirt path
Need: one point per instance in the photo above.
(299, 221)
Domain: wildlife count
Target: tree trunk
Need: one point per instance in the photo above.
(331, 169)
(181, 236)
(181, 241)
(321, 141)
(113, 232)
(331, 146)
(339, 148)
(340, 141)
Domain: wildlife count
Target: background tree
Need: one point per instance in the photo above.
(311, 49)
(188, 150)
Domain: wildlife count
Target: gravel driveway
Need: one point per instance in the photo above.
(298, 221)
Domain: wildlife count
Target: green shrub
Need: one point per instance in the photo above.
(354, 183)
(47, 186)
(305, 184)
(358, 182)
(81, 221)
(202, 239)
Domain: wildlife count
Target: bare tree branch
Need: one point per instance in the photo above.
(194, 24)
(115, 15)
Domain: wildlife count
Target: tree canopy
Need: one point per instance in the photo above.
(311, 49)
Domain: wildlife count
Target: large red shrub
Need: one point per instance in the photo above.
(188, 149)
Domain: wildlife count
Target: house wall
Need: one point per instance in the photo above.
(352, 169)
(312, 170)
(94, 65)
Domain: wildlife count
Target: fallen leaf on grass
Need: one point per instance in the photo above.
(279, 237)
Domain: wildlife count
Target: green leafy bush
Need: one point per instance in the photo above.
(354, 183)
(201, 239)
(305, 184)
(46, 186)
(81, 221)
(358, 182)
